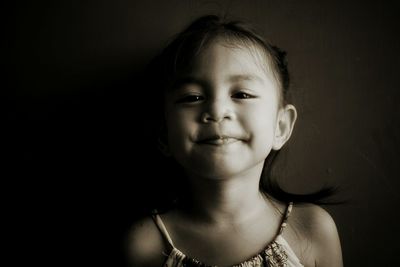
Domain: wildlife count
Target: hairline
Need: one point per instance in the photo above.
(255, 48)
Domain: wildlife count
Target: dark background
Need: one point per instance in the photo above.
(76, 113)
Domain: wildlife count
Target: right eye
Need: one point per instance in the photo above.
(190, 99)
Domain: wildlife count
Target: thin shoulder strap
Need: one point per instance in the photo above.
(163, 230)
(285, 217)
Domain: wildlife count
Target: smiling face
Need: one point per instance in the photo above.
(221, 117)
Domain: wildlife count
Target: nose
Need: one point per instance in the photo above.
(217, 110)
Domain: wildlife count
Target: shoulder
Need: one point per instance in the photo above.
(318, 235)
(144, 244)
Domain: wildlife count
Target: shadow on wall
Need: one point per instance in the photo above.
(97, 130)
(83, 162)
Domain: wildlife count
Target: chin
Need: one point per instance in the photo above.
(217, 171)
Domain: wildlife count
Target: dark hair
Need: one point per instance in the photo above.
(178, 55)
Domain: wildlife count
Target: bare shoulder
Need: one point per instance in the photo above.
(145, 245)
(315, 227)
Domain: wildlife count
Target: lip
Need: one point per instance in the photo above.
(218, 140)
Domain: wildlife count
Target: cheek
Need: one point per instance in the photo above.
(267, 120)
(262, 122)
(180, 126)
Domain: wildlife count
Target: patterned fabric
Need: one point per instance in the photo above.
(277, 254)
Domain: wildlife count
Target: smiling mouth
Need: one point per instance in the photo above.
(219, 141)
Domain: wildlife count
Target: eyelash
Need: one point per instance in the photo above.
(243, 95)
(190, 99)
(196, 98)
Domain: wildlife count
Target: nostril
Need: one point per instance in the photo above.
(206, 117)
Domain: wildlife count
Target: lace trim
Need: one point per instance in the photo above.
(273, 256)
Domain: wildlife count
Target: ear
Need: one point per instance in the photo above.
(284, 126)
(163, 147)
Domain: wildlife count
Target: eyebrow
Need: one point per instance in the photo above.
(188, 80)
(244, 77)
(203, 83)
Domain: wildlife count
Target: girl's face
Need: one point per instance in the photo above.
(221, 118)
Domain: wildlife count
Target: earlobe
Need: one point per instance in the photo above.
(163, 147)
(284, 126)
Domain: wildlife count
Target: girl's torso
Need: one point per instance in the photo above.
(272, 252)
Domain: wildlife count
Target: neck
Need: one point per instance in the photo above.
(231, 200)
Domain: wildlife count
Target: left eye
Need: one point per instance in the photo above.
(190, 99)
(242, 95)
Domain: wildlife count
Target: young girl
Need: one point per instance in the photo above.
(224, 117)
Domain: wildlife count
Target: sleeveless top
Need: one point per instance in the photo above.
(278, 253)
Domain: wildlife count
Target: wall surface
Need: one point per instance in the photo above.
(76, 120)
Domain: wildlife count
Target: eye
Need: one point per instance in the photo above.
(242, 95)
(190, 99)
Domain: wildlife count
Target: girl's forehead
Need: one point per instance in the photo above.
(228, 57)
